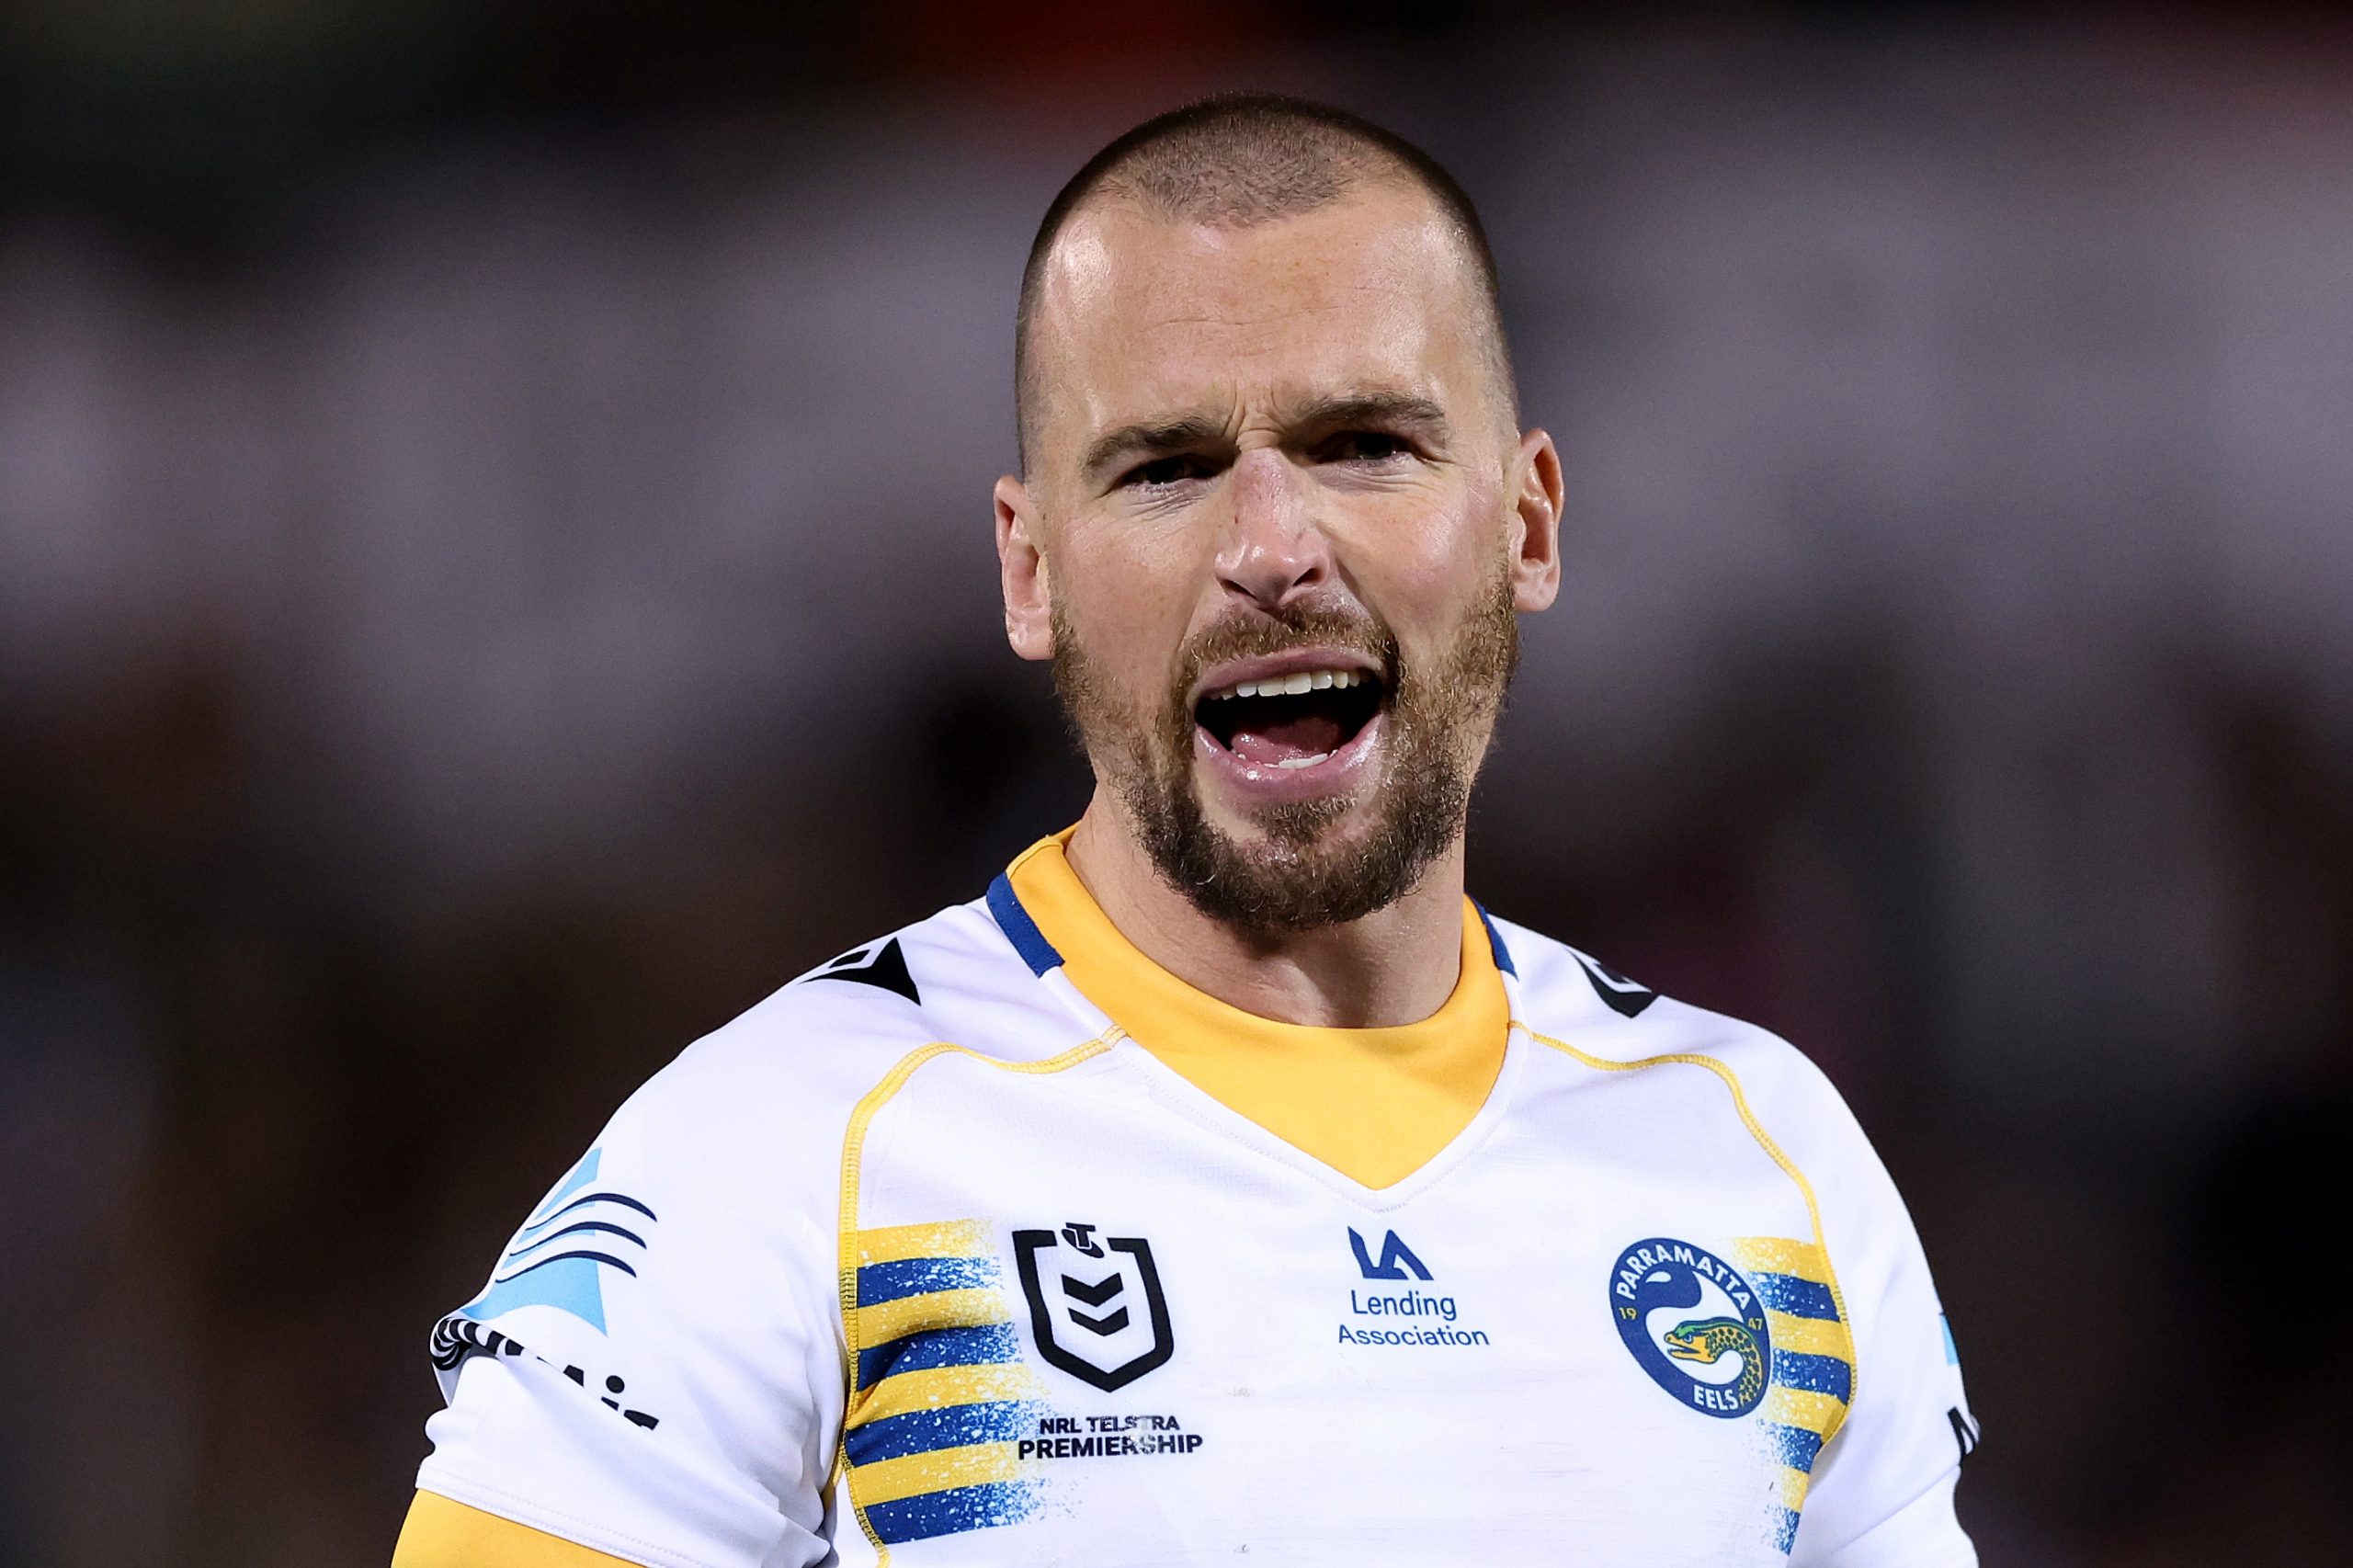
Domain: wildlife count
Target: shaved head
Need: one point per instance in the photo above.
(1277, 515)
(1237, 160)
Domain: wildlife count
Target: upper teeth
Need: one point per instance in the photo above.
(1295, 683)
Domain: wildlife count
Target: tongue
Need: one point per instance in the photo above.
(1310, 735)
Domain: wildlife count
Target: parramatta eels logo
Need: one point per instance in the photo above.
(1694, 1323)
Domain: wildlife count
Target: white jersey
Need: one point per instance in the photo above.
(957, 1251)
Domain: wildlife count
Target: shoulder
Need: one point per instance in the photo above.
(775, 1086)
(728, 1159)
(1580, 1004)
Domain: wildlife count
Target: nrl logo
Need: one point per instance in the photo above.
(1095, 1306)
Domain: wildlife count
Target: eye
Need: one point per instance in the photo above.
(1364, 447)
(1161, 472)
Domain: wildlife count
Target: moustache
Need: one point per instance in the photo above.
(1253, 636)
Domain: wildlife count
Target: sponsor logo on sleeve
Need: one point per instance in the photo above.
(455, 1338)
(581, 1235)
(1965, 1432)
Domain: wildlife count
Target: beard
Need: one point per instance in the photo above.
(1302, 873)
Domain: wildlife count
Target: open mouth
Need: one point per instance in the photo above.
(1290, 721)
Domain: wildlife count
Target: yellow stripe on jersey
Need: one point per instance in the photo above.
(938, 1309)
(1783, 1254)
(940, 1470)
(907, 1460)
(945, 1238)
(441, 1533)
(1815, 1336)
(1809, 1261)
(1806, 1319)
(1793, 1488)
(1819, 1413)
(1374, 1104)
(937, 1388)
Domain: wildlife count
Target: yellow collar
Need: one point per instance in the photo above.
(1375, 1104)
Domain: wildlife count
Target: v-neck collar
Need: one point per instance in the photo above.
(1376, 1105)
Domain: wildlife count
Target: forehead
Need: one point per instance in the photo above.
(1141, 317)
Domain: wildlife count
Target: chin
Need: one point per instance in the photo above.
(1296, 831)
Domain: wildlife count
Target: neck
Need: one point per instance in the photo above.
(1395, 966)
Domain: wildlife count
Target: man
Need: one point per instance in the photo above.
(1225, 1182)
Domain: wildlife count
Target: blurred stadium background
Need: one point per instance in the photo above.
(495, 577)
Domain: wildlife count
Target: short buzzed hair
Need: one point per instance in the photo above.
(1240, 159)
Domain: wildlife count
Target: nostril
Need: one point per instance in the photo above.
(1270, 567)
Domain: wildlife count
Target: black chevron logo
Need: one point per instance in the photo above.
(1624, 997)
(1081, 1343)
(1093, 1295)
(1965, 1432)
(885, 966)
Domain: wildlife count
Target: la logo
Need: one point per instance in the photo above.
(1396, 1257)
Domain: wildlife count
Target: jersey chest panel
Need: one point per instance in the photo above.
(1089, 1323)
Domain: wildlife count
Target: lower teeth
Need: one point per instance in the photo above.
(1304, 761)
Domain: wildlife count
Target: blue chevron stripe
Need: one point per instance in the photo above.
(986, 1345)
(905, 1277)
(948, 1426)
(960, 1508)
(1799, 1297)
(1814, 1374)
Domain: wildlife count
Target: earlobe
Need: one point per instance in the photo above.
(1538, 494)
(1022, 573)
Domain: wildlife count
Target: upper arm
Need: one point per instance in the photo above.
(442, 1533)
(1881, 1495)
(655, 1369)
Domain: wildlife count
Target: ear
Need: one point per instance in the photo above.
(1022, 573)
(1537, 496)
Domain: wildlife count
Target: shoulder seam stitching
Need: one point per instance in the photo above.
(861, 1115)
(1731, 1081)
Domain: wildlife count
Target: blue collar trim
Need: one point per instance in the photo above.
(1020, 929)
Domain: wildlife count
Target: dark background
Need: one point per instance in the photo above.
(495, 577)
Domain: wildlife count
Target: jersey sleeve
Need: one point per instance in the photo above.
(1882, 1492)
(653, 1371)
(439, 1533)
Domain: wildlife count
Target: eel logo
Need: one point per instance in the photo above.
(1103, 1328)
(1694, 1323)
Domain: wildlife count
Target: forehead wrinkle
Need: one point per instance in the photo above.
(1304, 307)
(1120, 261)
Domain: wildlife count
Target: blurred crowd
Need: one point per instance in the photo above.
(495, 577)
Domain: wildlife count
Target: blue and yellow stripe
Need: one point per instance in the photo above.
(940, 1396)
(1813, 1361)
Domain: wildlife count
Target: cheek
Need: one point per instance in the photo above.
(1130, 601)
(1423, 571)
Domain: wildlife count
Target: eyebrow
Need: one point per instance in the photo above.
(1148, 438)
(1392, 409)
(1152, 438)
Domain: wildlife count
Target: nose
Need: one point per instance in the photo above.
(1273, 552)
